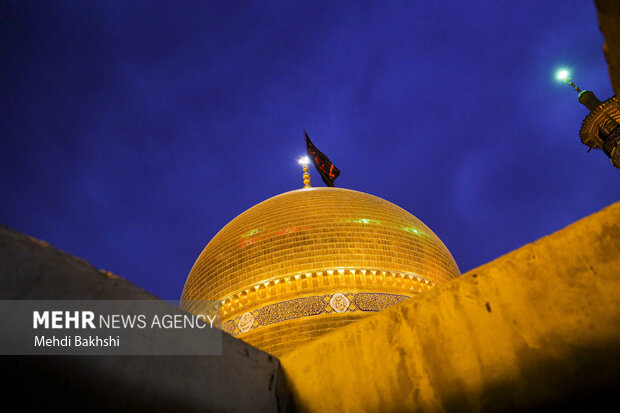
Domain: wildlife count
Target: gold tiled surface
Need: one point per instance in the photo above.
(313, 242)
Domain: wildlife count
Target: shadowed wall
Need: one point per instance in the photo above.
(534, 329)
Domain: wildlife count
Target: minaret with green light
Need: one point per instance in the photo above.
(601, 128)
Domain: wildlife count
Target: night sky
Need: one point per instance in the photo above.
(131, 132)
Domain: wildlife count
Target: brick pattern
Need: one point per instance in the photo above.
(314, 243)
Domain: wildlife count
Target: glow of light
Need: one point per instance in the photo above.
(562, 74)
(414, 230)
(304, 161)
(254, 231)
(364, 221)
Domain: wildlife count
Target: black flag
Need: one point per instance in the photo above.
(326, 168)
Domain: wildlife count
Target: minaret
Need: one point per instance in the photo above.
(601, 128)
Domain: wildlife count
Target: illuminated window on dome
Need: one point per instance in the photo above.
(414, 231)
(364, 221)
(246, 241)
(254, 231)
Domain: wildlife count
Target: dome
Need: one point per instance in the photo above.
(311, 260)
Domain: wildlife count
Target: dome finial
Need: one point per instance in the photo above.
(586, 97)
(563, 75)
(304, 162)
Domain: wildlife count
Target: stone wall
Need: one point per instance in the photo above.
(536, 329)
(242, 379)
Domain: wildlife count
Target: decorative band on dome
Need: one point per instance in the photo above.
(281, 288)
(338, 303)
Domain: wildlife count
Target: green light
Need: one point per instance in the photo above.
(414, 230)
(562, 74)
(254, 231)
(363, 221)
(366, 221)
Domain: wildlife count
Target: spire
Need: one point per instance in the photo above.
(601, 128)
(304, 162)
(564, 75)
(586, 97)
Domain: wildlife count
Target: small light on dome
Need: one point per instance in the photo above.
(562, 74)
(304, 161)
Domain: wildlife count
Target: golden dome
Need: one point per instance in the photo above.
(307, 261)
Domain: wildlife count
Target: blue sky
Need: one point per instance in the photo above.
(133, 131)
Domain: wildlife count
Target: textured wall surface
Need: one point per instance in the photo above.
(242, 379)
(534, 329)
(609, 23)
(308, 261)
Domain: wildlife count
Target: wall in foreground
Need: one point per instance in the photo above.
(536, 328)
(242, 379)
